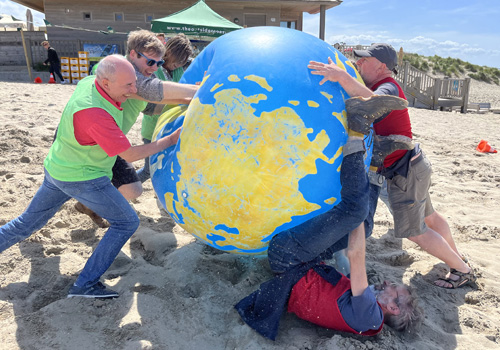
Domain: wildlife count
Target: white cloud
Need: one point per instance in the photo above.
(8, 7)
(426, 46)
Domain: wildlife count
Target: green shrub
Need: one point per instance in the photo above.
(40, 67)
(480, 76)
(452, 71)
(458, 67)
(424, 66)
(453, 67)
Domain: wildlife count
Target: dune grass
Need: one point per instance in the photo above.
(453, 67)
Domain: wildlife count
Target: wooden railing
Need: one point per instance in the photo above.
(420, 88)
(435, 93)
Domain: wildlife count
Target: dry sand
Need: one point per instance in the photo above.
(177, 293)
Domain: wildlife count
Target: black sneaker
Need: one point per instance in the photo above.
(98, 290)
(385, 145)
(362, 112)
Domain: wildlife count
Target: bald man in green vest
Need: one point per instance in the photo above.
(79, 165)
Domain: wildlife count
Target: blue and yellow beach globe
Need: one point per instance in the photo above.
(261, 143)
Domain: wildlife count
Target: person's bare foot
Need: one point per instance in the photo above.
(102, 223)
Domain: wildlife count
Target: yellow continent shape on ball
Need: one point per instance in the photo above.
(261, 165)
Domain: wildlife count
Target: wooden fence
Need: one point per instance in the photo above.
(435, 93)
(64, 48)
(420, 89)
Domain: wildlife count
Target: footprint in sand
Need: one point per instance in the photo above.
(400, 258)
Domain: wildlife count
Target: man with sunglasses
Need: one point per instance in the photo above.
(145, 52)
(178, 51)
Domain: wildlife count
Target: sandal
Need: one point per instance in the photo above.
(463, 279)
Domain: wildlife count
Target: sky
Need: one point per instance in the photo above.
(467, 30)
(448, 28)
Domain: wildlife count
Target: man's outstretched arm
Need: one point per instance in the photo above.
(356, 254)
(331, 72)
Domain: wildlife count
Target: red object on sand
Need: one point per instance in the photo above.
(52, 80)
(484, 147)
(38, 80)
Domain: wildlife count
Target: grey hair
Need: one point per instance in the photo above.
(106, 69)
(410, 317)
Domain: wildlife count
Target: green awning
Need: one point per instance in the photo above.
(196, 20)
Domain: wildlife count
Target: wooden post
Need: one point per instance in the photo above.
(322, 20)
(417, 87)
(28, 63)
(465, 100)
(405, 78)
(30, 52)
(437, 93)
(445, 87)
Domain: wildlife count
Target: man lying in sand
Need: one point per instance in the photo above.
(408, 173)
(314, 291)
(145, 51)
(329, 299)
(79, 163)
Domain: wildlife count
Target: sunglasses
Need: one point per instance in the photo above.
(151, 62)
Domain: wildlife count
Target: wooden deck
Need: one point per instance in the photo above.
(434, 93)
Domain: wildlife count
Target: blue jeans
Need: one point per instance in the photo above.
(101, 197)
(372, 208)
(317, 239)
(143, 172)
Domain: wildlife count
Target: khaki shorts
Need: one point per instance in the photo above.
(409, 198)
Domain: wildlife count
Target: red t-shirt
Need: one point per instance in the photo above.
(316, 300)
(95, 126)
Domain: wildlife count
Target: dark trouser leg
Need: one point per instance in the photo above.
(57, 71)
(374, 193)
(327, 231)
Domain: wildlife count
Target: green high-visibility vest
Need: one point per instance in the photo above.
(67, 159)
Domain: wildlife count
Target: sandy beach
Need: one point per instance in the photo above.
(177, 293)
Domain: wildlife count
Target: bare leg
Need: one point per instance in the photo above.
(131, 191)
(434, 244)
(437, 222)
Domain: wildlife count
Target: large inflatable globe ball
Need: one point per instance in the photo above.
(261, 143)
